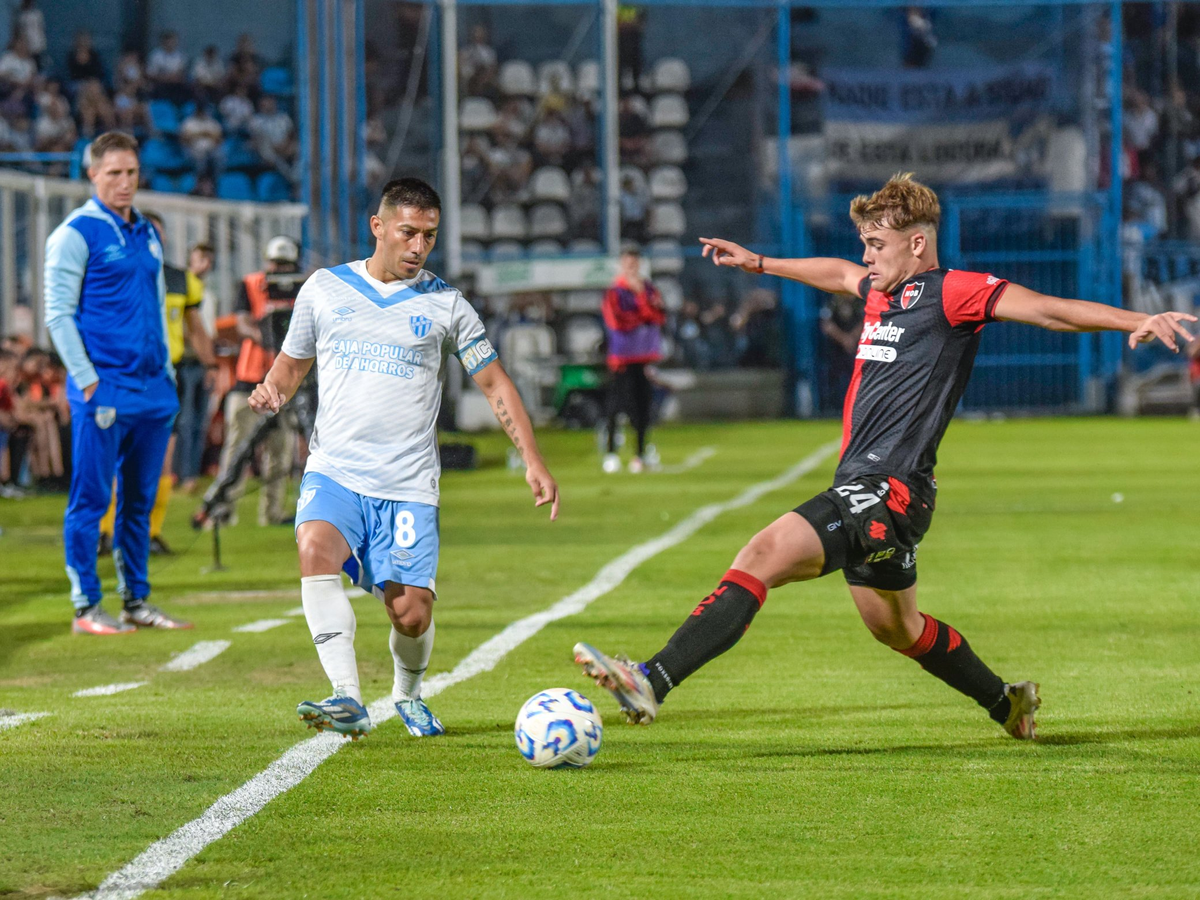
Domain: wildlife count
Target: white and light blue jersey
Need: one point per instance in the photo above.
(380, 350)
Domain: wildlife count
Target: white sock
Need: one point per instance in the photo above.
(331, 621)
(411, 657)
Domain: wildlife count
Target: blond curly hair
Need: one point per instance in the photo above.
(900, 204)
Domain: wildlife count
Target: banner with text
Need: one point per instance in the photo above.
(952, 126)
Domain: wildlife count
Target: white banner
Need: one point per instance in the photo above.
(964, 152)
(560, 274)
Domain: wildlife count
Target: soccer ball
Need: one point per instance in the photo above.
(558, 728)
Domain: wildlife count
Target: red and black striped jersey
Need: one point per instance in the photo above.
(914, 358)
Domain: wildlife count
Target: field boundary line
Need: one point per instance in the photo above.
(12, 720)
(165, 857)
(106, 690)
(196, 655)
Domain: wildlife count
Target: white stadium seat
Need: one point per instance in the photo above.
(547, 220)
(666, 256)
(667, 220)
(473, 220)
(555, 70)
(506, 250)
(671, 74)
(672, 293)
(476, 114)
(587, 78)
(667, 183)
(508, 222)
(550, 183)
(668, 111)
(517, 79)
(582, 336)
(668, 148)
(545, 247)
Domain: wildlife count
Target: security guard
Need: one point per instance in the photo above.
(104, 303)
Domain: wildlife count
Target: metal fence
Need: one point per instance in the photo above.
(32, 206)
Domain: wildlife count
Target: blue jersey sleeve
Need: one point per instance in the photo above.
(66, 261)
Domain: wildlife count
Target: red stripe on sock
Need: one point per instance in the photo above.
(749, 582)
(955, 639)
(925, 642)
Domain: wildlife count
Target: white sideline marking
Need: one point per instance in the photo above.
(12, 720)
(690, 462)
(105, 689)
(165, 857)
(295, 611)
(196, 655)
(261, 625)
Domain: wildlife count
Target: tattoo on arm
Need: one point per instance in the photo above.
(506, 420)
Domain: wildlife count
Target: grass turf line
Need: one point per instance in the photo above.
(808, 762)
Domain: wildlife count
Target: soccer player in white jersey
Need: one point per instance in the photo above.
(380, 330)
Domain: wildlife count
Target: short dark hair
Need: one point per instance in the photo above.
(205, 248)
(409, 192)
(110, 142)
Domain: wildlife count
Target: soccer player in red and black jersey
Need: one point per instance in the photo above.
(918, 344)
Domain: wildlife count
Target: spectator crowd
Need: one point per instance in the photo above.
(210, 124)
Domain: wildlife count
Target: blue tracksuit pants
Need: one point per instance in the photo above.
(121, 432)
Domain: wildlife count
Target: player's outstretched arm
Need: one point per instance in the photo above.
(280, 384)
(510, 411)
(836, 276)
(1020, 304)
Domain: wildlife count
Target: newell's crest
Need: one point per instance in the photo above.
(420, 325)
(105, 416)
(911, 294)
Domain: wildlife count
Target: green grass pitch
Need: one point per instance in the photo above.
(808, 762)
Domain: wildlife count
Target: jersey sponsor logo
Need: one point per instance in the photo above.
(911, 294)
(881, 555)
(992, 279)
(882, 331)
(105, 416)
(342, 313)
(878, 354)
(420, 325)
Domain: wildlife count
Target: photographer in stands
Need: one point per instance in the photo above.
(263, 312)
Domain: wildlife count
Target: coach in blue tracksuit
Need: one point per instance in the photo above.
(104, 302)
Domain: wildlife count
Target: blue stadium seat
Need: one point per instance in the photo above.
(165, 116)
(235, 186)
(164, 155)
(272, 187)
(277, 81)
(238, 155)
(186, 183)
(163, 183)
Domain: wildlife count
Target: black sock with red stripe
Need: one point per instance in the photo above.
(713, 627)
(944, 653)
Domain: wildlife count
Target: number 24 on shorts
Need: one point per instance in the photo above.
(856, 496)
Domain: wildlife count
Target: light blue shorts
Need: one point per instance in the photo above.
(390, 540)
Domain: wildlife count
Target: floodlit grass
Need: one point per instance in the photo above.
(808, 762)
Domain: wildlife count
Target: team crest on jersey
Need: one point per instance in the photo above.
(420, 325)
(105, 416)
(911, 294)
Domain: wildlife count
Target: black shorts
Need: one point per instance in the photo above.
(870, 528)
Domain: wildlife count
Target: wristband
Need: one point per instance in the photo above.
(760, 263)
